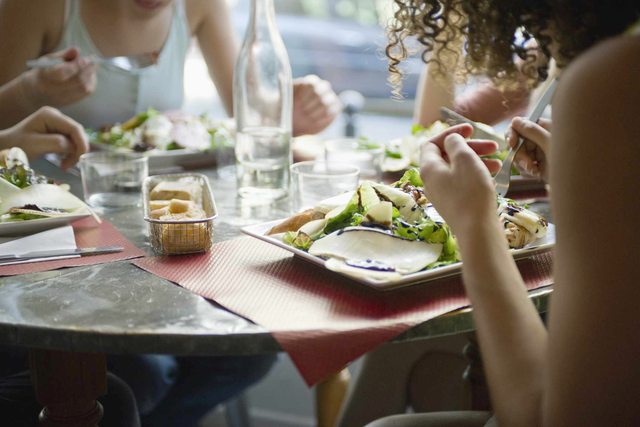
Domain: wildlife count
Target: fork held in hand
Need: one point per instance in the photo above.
(128, 63)
(503, 177)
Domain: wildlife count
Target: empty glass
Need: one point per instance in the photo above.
(314, 181)
(113, 180)
(366, 155)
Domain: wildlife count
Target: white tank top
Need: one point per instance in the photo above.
(121, 94)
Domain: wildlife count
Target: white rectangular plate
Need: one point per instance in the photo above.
(21, 228)
(161, 160)
(538, 246)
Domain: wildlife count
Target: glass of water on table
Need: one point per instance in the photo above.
(314, 181)
(113, 180)
(366, 155)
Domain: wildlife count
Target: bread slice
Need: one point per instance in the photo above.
(183, 190)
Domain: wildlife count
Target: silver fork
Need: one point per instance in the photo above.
(503, 177)
(127, 63)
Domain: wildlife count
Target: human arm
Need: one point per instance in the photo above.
(485, 103)
(512, 337)
(315, 104)
(47, 131)
(436, 88)
(584, 371)
(29, 30)
(219, 47)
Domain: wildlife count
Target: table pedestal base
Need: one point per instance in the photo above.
(68, 384)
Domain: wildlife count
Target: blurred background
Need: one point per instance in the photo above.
(341, 41)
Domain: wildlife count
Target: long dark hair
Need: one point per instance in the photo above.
(497, 31)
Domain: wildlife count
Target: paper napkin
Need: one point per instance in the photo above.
(55, 238)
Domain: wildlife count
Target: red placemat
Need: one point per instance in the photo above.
(88, 233)
(323, 320)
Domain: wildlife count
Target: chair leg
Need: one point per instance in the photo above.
(474, 376)
(330, 394)
(237, 412)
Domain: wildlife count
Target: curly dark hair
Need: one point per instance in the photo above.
(496, 32)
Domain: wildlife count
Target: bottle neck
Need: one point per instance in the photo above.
(262, 14)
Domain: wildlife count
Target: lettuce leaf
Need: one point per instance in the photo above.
(412, 176)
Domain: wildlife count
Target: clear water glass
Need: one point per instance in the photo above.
(366, 155)
(263, 158)
(314, 181)
(113, 180)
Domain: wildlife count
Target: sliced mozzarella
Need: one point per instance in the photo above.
(404, 202)
(332, 203)
(362, 245)
(340, 266)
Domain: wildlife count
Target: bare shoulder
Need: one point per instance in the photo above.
(199, 10)
(34, 12)
(598, 100)
(606, 75)
(28, 29)
(594, 177)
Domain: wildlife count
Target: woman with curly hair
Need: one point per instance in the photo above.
(583, 369)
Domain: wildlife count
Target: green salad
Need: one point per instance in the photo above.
(153, 130)
(385, 231)
(381, 231)
(26, 195)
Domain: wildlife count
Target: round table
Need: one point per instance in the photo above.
(69, 318)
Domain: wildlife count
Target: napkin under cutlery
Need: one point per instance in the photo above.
(55, 238)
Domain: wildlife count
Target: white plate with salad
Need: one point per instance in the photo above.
(30, 202)
(170, 139)
(389, 236)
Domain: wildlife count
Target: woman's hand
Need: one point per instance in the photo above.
(47, 131)
(532, 157)
(315, 105)
(61, 84)
(456, 180)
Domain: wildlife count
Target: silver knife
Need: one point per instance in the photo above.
(453, 118)
(4, 259)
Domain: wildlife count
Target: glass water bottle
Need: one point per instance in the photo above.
(262, 103)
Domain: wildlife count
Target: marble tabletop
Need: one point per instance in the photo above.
(119, 308)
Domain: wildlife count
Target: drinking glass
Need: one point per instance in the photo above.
(313, 181)
(113, 180)
(366, 155)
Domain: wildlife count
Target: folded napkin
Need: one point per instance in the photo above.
(87, 233)
(53, 239)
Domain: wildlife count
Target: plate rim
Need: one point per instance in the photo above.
(154, 152)
(423, 276)
(29, 224)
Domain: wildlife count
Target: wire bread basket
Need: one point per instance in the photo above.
(173, 237)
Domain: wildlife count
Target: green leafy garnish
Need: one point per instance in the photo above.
(298, 240)
(13, 217)
(417, 128)
(21, 176)
(412, 176)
